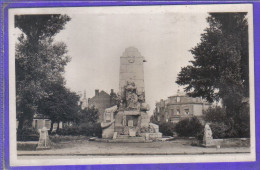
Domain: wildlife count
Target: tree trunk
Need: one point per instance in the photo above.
(58, 126)
(52, 122)
(20, 124)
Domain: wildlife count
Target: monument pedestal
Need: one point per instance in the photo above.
(44, 141)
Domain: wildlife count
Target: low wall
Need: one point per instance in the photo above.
(28, 145)
(232, 142)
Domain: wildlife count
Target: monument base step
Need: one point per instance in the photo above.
(43, 148)
(125, 140)
(129, 139)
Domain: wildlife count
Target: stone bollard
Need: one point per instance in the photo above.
(207, 138)
(44, 141)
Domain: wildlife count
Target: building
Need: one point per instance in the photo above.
(101, 101)
(179, 106)
(40, 121)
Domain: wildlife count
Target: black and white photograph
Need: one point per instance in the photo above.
(131, 84)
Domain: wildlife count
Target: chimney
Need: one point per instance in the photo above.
(112, 91)
(84, 94)
(96, 92)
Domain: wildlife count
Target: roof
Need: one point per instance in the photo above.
(102, 93)
(40, 116)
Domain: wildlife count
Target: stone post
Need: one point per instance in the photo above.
(44, 141)
(207, 138)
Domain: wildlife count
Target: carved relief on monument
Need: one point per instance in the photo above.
(131, 96)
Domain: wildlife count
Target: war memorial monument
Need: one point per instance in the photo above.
(129, 121)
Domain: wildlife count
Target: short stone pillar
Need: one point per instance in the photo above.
(108, 125)
(207, 138)
(44, 141)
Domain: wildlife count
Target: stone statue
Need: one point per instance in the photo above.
(124, 121)
(131, 100)
(141, 98)
(131, 96)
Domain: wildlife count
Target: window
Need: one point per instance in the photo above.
(178, 99)
(178, 111)
(187, 111)
(172, 112)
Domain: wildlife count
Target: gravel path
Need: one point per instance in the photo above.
(82, 148)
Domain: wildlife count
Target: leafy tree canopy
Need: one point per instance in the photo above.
(39, 61)
(38, 27)
(60, 105)
(88, 115)
(220, 66)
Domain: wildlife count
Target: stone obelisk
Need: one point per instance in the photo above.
(131, 70)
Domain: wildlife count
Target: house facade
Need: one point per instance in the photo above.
(178, 107)
(102, 100)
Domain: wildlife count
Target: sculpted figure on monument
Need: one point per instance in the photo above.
(141, 98)
(130, 86)
(132, 100)
(131, 96)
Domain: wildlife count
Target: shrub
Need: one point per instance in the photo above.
(167, 129)
(91, 129)
(86, 129)
(28, 134)
(68, 131)
(242, 122)
(219, 130)
(97, 130)
(233, 126)
(189, 127)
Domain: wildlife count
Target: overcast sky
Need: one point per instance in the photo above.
(96, 42)
(97, 37)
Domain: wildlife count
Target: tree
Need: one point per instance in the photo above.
(220, 66)
(60, 105)
(39, 61)
(215, 114)
(89, 115)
